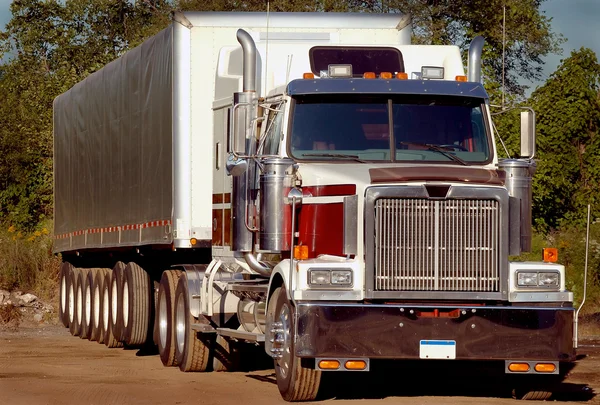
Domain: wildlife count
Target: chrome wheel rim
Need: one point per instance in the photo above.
(285, 362)
(105, 308)
(180, 324)
(125, 303)
(63, 293)
(113, 301)
(162, 319)
(71, 303)
(79, 304)
(96, 306)
(88, 305)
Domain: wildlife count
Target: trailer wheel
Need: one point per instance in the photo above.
(226, 355)
(165, 316)
(72, 300)
(63, 307)
(97, 332)
(79, 300)
(116, 300)
(88, 304)
(191, 352)
(110, 340)
(137, 302)
(295, 382)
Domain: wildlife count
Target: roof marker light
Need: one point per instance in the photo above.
(402, 75)
(385, 75)
(461, 78)
(369, 75)
(309, 75)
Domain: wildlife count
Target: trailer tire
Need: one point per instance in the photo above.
(226, 355)
(295, 382)
(63, 306)
(80, 300)
(165, 317)
(88, 304)
(110, 340)
(97, 331)
(72, 291)
(192, 353)
(116, 300)
(137, 305)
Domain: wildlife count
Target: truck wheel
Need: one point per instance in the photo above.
(88, 304)
(110, 339)
(137, 303)
(63, 307)
(191, 352)
(116, 300)
(165, 310)
(97, 332)
(72, 301)
(295, 382)
(226, 355)
(79, 300)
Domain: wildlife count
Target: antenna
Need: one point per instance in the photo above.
(267, 51)
(503, 50)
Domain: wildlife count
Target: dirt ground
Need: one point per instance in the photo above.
(46, 365)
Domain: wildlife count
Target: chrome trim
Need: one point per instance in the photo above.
(350, 224)
(540, 296)
(195, 277)
(495, 267)
(320, 295)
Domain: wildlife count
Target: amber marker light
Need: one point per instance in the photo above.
(329, 364)
(385, 75)
(402, 75)
(369, 75)
(301, 252)
(355, 365)
(518, 367)
(308, 76)
(545, 368)
(550, 255)
(193, 241)
(461, 78)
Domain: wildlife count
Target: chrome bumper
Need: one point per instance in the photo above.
(395, 331)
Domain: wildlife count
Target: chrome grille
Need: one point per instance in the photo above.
(436, 245)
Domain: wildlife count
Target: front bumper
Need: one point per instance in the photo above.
(395, 331)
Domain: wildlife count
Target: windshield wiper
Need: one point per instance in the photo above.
(335, 155)
(439, 149)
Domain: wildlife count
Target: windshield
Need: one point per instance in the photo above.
(404, 128)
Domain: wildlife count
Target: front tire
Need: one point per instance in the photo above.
(295, 382)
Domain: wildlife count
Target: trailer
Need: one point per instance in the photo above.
(308, 183)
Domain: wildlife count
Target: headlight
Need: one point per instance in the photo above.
(542, 279)
(327, 277)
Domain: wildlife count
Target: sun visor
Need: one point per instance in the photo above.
(362, 59)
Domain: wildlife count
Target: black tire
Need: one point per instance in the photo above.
(88, 304)
(165, 316)
(63, 305)
(97, 332)
(191, 352)
(79, 301)
(137, 305)
(295, 382)
(110, 340)
(226, 355)
(72, 301)
(116, 300)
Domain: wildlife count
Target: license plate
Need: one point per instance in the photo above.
(437, 349)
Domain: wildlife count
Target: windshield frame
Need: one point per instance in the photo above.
(390, 100)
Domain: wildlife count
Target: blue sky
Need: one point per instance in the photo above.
(577, 20)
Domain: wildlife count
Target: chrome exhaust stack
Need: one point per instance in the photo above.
(474, 65)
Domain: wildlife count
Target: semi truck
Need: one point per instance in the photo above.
(308, 183)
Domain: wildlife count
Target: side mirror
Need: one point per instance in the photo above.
(528, 133)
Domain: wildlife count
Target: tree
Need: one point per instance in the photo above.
(568, 141)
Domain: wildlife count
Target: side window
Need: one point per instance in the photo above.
(273, 132)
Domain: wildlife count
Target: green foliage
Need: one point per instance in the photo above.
(27, 262)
